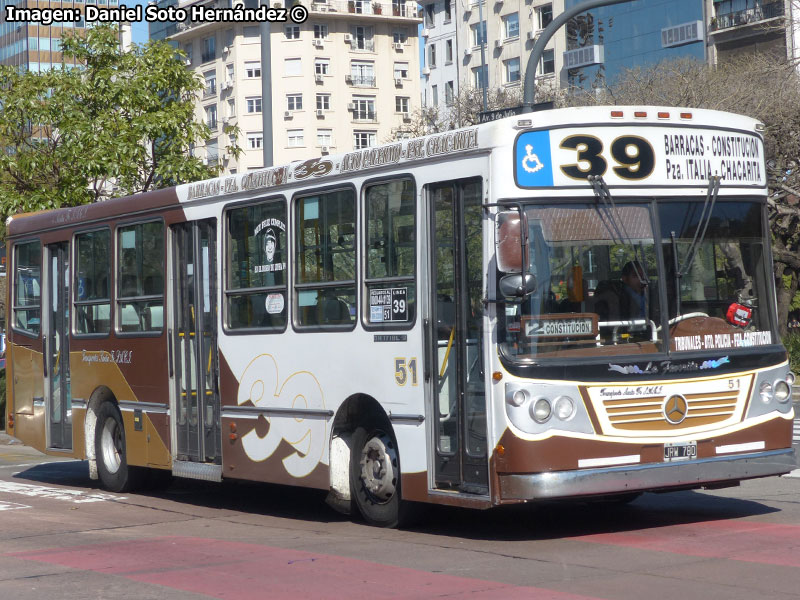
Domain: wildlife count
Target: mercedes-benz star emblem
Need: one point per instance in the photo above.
(675, 409)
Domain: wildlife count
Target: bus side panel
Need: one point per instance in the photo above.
(26, 384)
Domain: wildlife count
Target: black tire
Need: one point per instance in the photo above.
(109, 450)
(375, 476)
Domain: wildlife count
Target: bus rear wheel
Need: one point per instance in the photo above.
(109, 450)
(375, 476)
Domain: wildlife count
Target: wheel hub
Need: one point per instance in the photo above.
(379, 468)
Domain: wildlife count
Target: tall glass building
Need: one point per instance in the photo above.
(607, 40)
(33, 47)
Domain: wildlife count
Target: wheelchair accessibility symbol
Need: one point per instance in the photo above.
(531, 158)
(532, 153)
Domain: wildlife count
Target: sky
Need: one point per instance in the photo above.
(139, 31)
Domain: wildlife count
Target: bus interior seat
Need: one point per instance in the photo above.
(129, 318)
(334, 311)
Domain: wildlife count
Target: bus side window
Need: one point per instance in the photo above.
(390, 270)
(92, 271)
(325, 263)
(27, 288)
(255, 288)
(140, 283)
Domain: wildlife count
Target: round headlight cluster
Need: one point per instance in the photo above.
(765, 391)
(541, 408)
(782, 391)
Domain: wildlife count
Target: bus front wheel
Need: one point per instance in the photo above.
(109, 444)
(375, 476)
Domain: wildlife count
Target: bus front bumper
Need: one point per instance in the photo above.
(655, 476)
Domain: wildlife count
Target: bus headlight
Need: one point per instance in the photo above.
(541, 410)
(766, 392)
(781, 391)
(564, 408)
(518, 398)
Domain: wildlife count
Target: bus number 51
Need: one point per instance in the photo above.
(402, 370)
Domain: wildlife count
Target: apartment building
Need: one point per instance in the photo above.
(454, 32)
(34, 47)
(743, 26)
(345, 79)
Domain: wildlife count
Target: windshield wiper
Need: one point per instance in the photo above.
(697, 240)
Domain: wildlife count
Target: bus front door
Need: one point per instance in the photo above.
(56, 348)
(194, 355)
(459, 396)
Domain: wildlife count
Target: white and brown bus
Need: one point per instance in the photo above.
(573, 303)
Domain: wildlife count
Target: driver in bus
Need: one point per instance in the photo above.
(625, 298)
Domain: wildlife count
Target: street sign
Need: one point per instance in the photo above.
(493, 115)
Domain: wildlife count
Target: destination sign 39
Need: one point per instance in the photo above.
(644, 155)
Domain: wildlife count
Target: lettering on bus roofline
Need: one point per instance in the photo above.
(407, 150)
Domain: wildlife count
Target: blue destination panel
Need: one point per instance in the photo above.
(534, 166)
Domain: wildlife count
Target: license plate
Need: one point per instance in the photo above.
(680, 451)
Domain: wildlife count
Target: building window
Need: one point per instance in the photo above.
(212, 151)
(92, 274)
(292, 67)
(320, 32)
(292, 32)
(449, 93)
(364, 109)
(231, 108)
(478, 33)
(480, 76)
(294, 101)
(324, 137)
(252, 69)
(363, 38)
(448, 11)
(364, 139)
(512, 70)
(401, 70)
(544, 15)
(323, 101)
(511, 25)
(547, 64)
(401, 104)
(256, 267)
(140, 277)
(209, 49)
(429, 14)
(254, 105)
(229, 38)
(211, 116)
(322, 66)
(400, 35)
(187, 49)
(362, 73)
(252, 33)
(325, 259)
(211, 83)
(432, 55)
(255, 141)
(229, 73)
(448, 52)
(435, 95)
(295, 138)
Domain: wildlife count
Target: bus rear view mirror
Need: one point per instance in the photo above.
(512, 285)
(509, 242)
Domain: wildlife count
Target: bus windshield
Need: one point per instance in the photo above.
(612, 282)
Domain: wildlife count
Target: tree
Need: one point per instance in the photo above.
(120, 123)
(464, 109)
(761, 86)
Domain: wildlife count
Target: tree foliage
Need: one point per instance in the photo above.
(120, 123)
(761, 86)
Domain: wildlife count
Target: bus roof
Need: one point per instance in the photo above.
(410, 152)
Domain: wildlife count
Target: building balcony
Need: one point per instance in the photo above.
(360, 80)
(365, 117)
(756, 15)
(367, 8)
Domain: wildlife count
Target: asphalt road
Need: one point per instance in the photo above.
(62, 537)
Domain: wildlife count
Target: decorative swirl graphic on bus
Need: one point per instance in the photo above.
(260, 385)
(530, 157)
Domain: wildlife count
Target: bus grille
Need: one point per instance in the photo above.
(643, 409)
